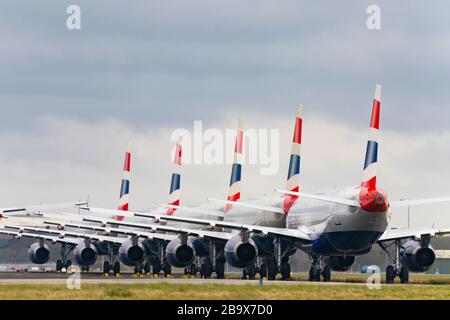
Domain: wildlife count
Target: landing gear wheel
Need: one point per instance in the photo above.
(326, 274)
(390, 274)
(220, 270)
(269, 268)
(206, 269)
(59, 265)
(314, 274)
(251, 272)
(193, 270)
(68, 264)
(285, 271)
(147, 267)
(106, 267)
(167, 268)
(404, 275)
(137, 270)
(156, 267)
(263, 271)
(116, 268)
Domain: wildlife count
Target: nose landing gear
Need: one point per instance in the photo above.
(319, 268)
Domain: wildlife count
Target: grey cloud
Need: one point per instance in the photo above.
(154, 63)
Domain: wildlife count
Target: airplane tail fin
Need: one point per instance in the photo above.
(371, 198)
(125, 187)
(371, 160)
(293, 178)
(234, 191)
(174, 194)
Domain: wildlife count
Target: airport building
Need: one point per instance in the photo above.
(442, 263)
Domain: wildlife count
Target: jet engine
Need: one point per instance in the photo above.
(39, 253)
(415, 257)
(132, 252)
(181, 252)
(340, 263)
(85, 254)
(239, 253)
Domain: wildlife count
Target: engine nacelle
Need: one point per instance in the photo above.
(181, 255)
(132, 252)
(240, 254)
(85, 254)
(417, 258)
(38, 253)
(340, 263)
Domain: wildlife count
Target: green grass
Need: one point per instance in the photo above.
(223, 291)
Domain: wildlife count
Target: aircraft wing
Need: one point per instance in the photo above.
(154, 227)
(279, 232)
(18, 235)
(293, 234)
(348, 202)
(249, 205)
(398, 234)
(125, 231)
(64, 234)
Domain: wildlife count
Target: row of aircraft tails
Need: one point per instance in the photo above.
(258, 236)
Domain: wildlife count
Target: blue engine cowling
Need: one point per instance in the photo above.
(181, 255)
(240, 254)
(132, 253)
(417, 258)
(85, 255)
(38, 253)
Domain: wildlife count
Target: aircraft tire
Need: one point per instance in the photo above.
(326, 273)
(404, 275)
(285, 271)
(59, 265)
(220, 270)
(390, 274)
(116, 268)
(106, 267)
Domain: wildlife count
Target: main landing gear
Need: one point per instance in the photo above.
(111, 264)
(271, 265)
(63, 264)
(395, 269)
(319, 268)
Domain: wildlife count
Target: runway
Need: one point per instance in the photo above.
(99, 278)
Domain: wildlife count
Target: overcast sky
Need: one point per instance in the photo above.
(71, 100)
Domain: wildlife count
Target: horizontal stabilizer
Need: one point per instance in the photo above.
(408, 203)
(248, 205)
(195, 210)
(398, 234)
(37, 208)
(348, 202)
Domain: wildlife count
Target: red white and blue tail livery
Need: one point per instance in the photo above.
(234, 191)
(294, 163)
(174, 193)
(125, 187)
(371, 198)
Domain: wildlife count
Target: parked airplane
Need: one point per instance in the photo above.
(332, 227)
(86, 247)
